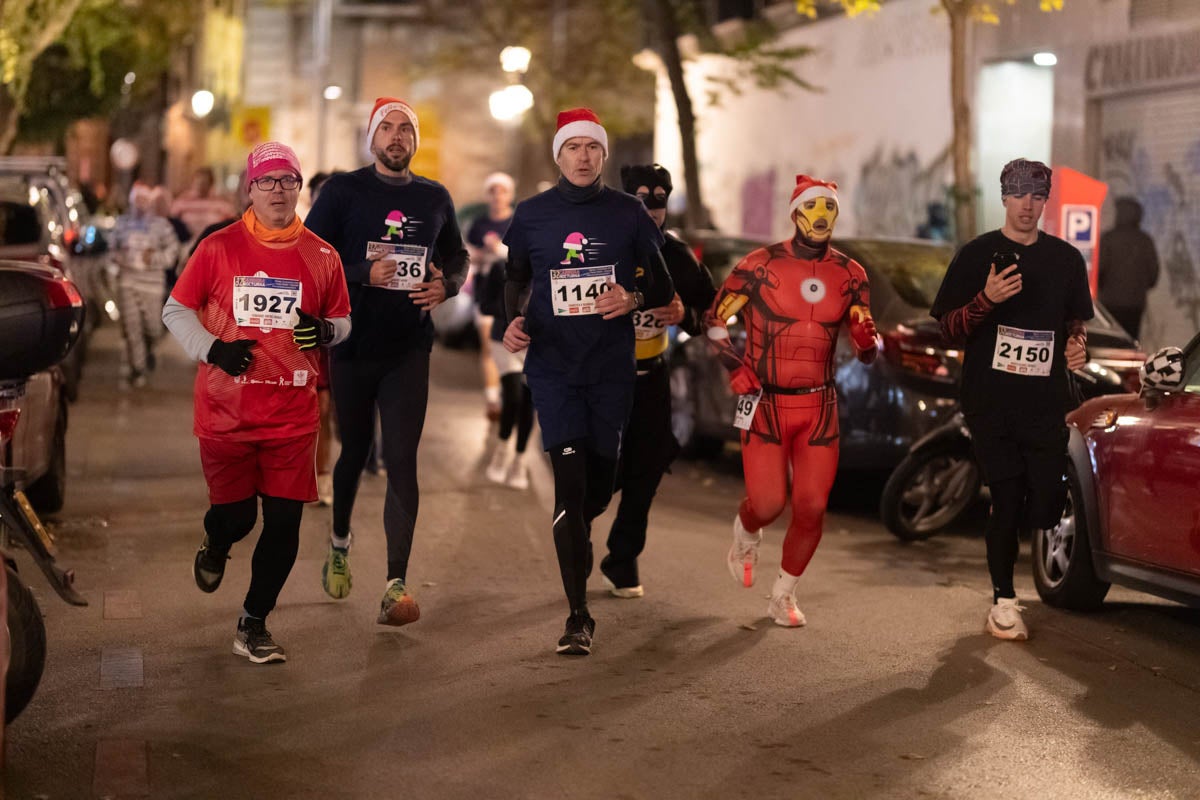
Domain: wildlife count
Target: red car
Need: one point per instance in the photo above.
(1133, 514)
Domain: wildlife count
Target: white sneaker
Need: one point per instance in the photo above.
(743, 555)
(783, 611)
(497, 468)
(1004, 620)
(518, 473)
(325, 489)
(623, 592)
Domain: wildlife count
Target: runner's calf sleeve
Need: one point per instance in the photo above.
(570, 464)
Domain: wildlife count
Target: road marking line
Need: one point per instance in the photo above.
(121, 769)
(121, 668)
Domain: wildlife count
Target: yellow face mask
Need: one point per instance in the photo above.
(815, 219)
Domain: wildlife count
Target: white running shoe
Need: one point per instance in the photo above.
(518, 473)
(743, 555)
(1004, 620)
(623, 592)
(783, 611)
(497, 468)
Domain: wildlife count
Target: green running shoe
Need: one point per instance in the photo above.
(398, 607)
(335, 573)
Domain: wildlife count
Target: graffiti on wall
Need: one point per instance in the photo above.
(894, 192)
(1168, 194)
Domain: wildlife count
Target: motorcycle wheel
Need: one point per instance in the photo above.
(930, 490)
(27, 642)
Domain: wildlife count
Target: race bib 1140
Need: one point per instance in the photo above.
(1022, 352)
(575, 291)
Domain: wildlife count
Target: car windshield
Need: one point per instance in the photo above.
(915, 269)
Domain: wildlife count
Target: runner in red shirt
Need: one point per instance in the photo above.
(254, 303)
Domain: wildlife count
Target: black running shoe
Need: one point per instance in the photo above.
(254, 641)
(577, 639)
(209, 567)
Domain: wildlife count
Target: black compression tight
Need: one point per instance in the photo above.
(516, 409)
(228, 523)
(400, 388)
(583, 485)
(1002, 533)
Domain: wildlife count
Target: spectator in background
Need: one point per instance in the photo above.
(1128, 266)
(162, 207)
(486, 251)
(144, 246)
(199, 206)
(937, 224)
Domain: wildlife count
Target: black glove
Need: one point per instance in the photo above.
(311, 331)
(233, 357)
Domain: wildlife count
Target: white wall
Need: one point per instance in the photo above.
(881, 128)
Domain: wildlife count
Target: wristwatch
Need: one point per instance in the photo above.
(639, 300)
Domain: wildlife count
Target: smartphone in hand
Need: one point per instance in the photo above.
(1005, 260)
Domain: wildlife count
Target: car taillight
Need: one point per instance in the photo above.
(63, 294)
(920, 359)
(8, 422)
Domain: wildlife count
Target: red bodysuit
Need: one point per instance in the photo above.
(792, 300)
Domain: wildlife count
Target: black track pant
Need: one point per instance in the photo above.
(516, 409)
(647, 450)
(400, 388)
(228, 523)
(1024, 460)
(583, 485)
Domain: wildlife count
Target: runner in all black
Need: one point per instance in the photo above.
(574, 251)
(399, 241)
(1019, 298)
(650, 446)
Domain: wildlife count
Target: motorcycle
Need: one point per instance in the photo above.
(41, 316)
(939, 482)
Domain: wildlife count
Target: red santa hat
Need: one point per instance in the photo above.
(579, 122)
(807, 188)
(385, 106)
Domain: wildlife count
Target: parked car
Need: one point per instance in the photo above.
(883, 407)
(43, 219)
(1132, 501)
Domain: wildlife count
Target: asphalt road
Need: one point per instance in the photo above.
(892, 690)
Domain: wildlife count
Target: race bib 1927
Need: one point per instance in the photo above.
(575, 291)
(410, 263)
(1022, 352)
(265, 303)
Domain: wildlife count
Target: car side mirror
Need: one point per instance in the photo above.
(1162, 372)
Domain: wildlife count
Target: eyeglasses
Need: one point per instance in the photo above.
(288, 182)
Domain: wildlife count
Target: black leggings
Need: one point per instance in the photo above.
(400, 388)
(1002, 533)
(648, 449)
(228, 523)
(583, 485)
(516, 409)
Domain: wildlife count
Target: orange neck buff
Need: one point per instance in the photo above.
(268, 236)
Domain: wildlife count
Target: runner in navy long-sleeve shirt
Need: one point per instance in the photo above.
(399, 241)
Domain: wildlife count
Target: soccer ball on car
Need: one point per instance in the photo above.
(1163, 370)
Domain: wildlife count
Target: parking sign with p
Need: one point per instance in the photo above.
(1079, 224)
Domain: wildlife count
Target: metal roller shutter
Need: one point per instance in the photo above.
(1150, 149)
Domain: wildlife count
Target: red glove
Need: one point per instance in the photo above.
(863, 334)
(743, 380)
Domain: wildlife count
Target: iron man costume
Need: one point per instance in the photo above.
(792, 299)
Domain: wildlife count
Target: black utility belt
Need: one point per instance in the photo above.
(794, 390)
